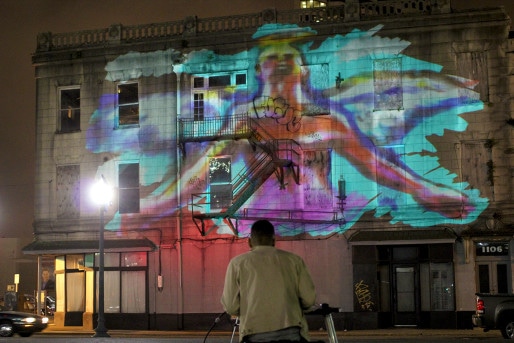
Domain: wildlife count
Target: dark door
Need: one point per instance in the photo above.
(405, 295)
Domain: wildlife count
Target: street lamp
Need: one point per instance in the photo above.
(101, 194)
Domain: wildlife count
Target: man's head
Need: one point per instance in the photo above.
(45, 275)
(262, 233)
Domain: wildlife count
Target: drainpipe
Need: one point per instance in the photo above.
(178, 71)
(38, 283)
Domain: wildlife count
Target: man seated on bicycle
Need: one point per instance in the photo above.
(268, 289)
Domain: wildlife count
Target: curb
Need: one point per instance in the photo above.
(394, 332)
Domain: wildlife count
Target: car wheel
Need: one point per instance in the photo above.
(507, 330)
(25, 334)
(6, 329)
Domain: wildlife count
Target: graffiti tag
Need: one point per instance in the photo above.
(278, 109)
(195, 182)
(364, 296)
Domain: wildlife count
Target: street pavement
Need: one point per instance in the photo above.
(78, 334)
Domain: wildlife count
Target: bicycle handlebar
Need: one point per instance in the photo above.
(324, 310)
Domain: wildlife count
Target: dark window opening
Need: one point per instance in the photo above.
(501, 275)
(483, 278)
(128, 179)
(219, 81)
(128, 104)
(198, 82)
(70, 110)
(198, 107)
(240, 79)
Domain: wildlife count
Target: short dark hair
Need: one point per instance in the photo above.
(262, 232)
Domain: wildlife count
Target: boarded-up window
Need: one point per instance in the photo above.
(476, 169)
(388, 192)
(316, 175)
(315, 103)
(68, 191)
(387, 83)
(473, 65)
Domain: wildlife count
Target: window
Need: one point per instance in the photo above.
(240, 79)
(128, 181)
(219, 81)
(128, 104)
(198, 107)
(75, 278)
(69, 112)
(387, 84)
(75, 291)
(312, 3)
(442, 287)
(220, 177)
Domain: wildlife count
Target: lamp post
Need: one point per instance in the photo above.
(101, 194)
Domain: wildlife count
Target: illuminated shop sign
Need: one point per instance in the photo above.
(492, 248)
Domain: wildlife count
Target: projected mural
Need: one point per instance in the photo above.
(356, 109)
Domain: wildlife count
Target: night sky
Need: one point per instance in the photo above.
(22, 20)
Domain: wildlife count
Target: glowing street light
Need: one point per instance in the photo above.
(101, 194)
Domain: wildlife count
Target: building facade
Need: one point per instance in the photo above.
(375, 135)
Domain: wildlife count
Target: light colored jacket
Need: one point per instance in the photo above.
(268, 288)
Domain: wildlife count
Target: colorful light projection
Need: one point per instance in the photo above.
(358, 107)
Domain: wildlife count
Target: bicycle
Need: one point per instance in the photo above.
(325, 310)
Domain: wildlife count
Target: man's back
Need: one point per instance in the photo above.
(268, 288)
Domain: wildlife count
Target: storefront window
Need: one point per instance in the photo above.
(112, 292)
(442, 287)
(75, 292)
(124, 283)
(133, 291)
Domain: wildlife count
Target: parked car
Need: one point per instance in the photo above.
(495, 311)
(22, 323)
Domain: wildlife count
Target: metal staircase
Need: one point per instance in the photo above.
(272, 156)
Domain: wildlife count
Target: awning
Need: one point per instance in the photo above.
(87, 246)
(383, 237)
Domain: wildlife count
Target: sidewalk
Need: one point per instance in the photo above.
(392, 332)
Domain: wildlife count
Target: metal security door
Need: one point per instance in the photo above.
(405, 295)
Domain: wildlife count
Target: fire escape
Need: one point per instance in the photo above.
(271, 156)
